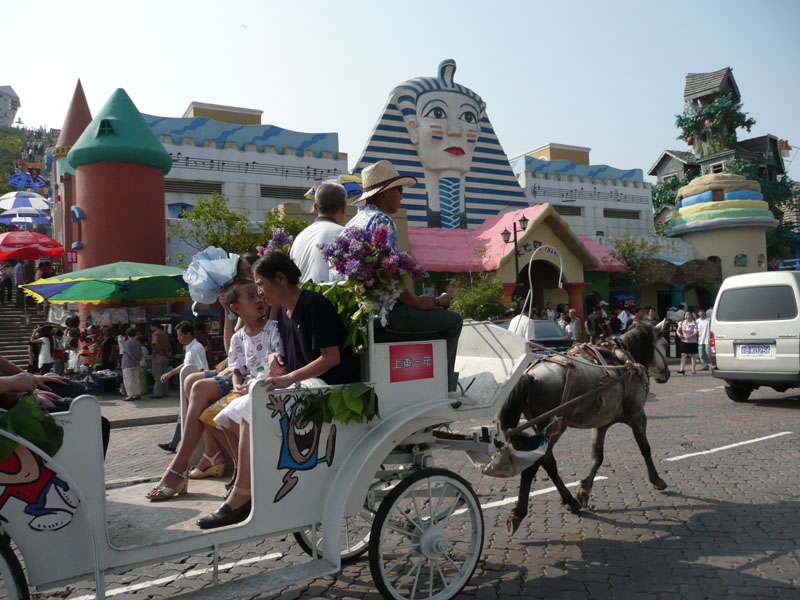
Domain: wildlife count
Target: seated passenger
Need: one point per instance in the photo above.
(330, 202)
(313, 336)
(412, 315)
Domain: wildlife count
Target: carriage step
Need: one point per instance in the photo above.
(265, 582)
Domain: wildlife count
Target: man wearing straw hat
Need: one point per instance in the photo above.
(412, 316)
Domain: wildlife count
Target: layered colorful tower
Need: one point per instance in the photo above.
(119, 186)
(725, 217)
(63, 176)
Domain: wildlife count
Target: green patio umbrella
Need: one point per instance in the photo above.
(116, 282)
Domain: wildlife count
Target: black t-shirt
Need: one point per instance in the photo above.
(616, 324)
(315, 324)
(595, 324)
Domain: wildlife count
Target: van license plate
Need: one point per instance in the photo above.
(755, 350)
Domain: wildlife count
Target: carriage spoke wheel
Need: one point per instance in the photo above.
(355, 529)
(354, 537)
(427, 537)
(13, 585)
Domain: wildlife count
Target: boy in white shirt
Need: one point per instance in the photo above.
(194, 353)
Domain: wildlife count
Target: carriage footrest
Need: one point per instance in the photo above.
(264, 582)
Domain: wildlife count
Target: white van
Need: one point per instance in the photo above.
(755, 333)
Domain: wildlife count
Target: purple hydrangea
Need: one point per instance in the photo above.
(380, 237)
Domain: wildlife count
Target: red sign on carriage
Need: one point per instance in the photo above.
(410, 362)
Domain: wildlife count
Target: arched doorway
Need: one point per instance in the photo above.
(544, 276)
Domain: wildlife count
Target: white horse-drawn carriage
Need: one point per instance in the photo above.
(342, 489)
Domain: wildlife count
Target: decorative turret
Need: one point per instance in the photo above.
(712, 112)
(119, 187)
(78, 117)
(725, 218)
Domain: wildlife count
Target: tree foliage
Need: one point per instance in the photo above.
(11, 141)
(478, 297)
(637, 254)
(717, 120)
(211, 222)
(665, 192)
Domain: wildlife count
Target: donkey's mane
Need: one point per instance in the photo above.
(640, 341)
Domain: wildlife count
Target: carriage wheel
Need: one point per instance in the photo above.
(427, 537)
(355, 529)
(13, 584)
(355, 537)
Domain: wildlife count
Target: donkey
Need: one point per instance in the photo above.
(629, 358)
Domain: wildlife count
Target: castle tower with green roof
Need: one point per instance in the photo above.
(119, 187)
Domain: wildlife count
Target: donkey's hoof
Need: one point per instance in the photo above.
(574, 506)
(512, 524)
(660, 484)
(583, 498)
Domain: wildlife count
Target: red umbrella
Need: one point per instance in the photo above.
(28, 245)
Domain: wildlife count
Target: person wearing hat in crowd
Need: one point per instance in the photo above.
(412, 314)
(330, 203)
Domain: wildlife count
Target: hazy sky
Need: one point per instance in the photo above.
(603, 74)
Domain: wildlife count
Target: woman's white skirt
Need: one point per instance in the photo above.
(240, 408)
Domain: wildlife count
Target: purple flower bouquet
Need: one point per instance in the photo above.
(280, 242)
(375, 272)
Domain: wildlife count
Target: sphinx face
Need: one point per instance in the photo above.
(445, 130)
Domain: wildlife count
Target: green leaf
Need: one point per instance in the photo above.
(354, 403)
(27, 428)
(7, 446)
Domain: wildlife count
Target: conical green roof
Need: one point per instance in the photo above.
(118, 133)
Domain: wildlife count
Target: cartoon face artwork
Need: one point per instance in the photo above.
(48, 499)
(301, 440)
(445, 130)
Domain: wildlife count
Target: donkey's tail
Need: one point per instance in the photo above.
(515, 404)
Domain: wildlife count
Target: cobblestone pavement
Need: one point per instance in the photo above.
(726, 527)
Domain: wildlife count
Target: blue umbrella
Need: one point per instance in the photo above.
(38, 217)
(27, 181)
(23, 200)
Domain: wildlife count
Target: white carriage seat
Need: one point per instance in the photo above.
(489, 362)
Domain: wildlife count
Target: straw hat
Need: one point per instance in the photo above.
(380, 177)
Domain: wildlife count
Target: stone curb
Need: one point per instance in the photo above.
(140, 421)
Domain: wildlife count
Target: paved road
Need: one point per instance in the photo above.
(726, 527)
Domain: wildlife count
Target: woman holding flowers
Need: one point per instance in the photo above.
(409, 314)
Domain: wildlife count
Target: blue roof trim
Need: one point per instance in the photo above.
(201, 129)
(567, 167)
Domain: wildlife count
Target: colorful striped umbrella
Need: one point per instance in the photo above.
(23, 200)
(115, 282)
(28, 245)
(32, 215)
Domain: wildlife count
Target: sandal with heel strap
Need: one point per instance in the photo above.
(215, 470)
(225, 515)
(161, 492)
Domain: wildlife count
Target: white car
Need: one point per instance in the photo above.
(755, 333)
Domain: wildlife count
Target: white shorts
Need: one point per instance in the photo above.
(240, 408)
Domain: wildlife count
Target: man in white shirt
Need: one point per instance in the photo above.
(624, 317)
(330, 202)
(704, 339)
(551, 312)
(521, 325)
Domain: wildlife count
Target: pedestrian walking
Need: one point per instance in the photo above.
(159, 341)
(704, 339)
(687, 331)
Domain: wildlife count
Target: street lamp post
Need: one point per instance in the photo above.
(506, 235)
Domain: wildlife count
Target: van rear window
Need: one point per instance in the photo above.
(765, 303)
